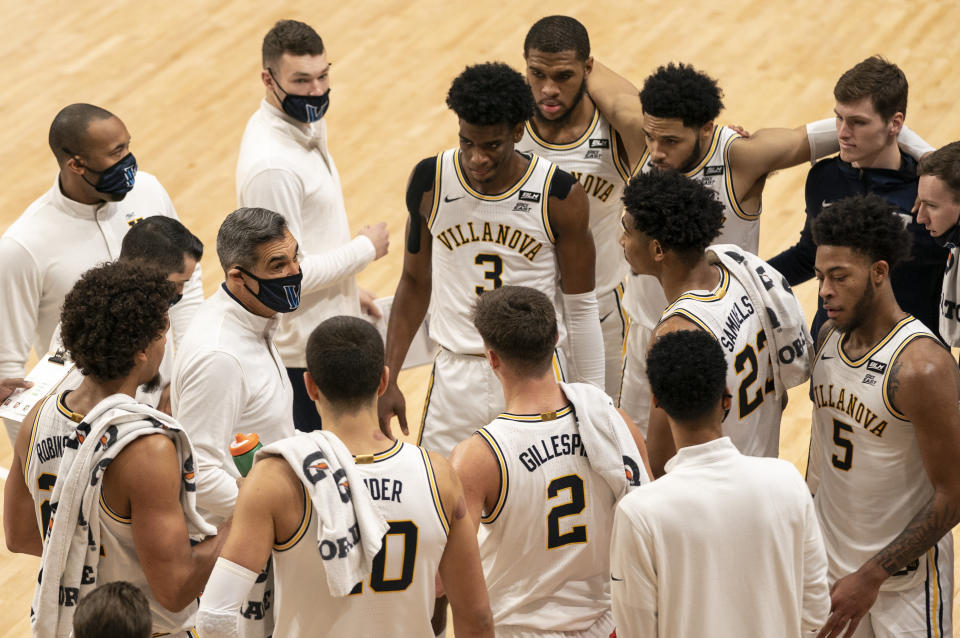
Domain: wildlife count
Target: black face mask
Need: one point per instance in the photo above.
(950, 238)
(117, 180)
(176, 300)
(280, 294)
(304, 108)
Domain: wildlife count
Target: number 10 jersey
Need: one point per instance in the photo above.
(481, 242)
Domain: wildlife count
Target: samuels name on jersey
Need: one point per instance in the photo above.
(844, 400)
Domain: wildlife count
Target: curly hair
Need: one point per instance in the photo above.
(688, 373)
(520, 325)
(555, 34)
(868, 224)
(115, 311)
(681, 213)
(679, 91)
(489, 94)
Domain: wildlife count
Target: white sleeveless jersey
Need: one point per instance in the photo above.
(397, 599)
(481, 242)
(118, 557)
(739, 227)
(596, 162)
(545, 546)
(753, 423)
(52, 426)
(871, 476)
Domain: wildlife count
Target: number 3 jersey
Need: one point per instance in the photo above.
(865, 467)
(397, 598)
(753, 422)
(545, 545)
(481, 242)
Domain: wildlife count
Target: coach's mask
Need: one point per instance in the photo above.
(304, 108)
(118, 179)
(280, 294)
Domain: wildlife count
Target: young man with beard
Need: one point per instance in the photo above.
(886, 435)
(871, 104)
(482, 216)
(938, 193)
(567, 128)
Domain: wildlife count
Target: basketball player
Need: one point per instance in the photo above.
(673, 126)
(114, 323)
(415, 490)
(546, 508)
(871, 104)
(493, 216)
(567, 128)
(77, 224)
(285, 166)
(669, 221)
(938, 191)
(886, 435)
(717, 516)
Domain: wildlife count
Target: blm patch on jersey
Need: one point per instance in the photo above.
(529, 196)
(876, 366)
(712, 171)
(601, 143)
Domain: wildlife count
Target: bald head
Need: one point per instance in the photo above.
(68, 132)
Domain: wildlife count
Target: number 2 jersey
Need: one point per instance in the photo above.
(726, 313)
(397, 599)
(545, 546)
(481, 242)
(865, 467)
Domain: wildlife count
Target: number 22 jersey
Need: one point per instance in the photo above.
(481, 242)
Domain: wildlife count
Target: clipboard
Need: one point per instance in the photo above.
(46, 376)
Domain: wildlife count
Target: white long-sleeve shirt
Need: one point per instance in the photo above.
(44, 252)
(285, 166)
(723, 545)
(228, 378)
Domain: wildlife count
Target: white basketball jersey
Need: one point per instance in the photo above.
(545, 546)
(596, 162)
(739, 227)
(119, 561)
(52, 426)
(481, 242)
(753, 423)
(397, 599)
(871, 476)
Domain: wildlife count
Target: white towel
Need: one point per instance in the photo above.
(71, 550)
(351, 529)
(610, 447)
(783, 322)
(949, 311)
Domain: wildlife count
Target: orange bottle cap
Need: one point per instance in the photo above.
(244, 443)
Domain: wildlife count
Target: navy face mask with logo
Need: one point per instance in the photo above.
(280, 294)
(303, 108)
(118, 179)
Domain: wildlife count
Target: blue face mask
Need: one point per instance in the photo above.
(280, 294)
(303, 108)
(118, 179)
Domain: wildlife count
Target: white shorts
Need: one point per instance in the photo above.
(613, 327)
(601, 628)
(922, 611)
(463, 396)
(634, 396)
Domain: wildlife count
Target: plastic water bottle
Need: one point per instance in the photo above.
(243, 449)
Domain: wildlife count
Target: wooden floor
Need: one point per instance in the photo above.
(184, 77)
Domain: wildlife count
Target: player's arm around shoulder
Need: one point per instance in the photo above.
(460, 567)
(569, 216)
(767, 150)
(20, 529)
(146, 475)
(619, 101)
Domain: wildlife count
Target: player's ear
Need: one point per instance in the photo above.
(896, 123)
(266, 79)
(494, 359)
(879, 270)
(518, 132)
(384, 379)
(312, 390)
(656, 250)
(707, 129)
(588, 66)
